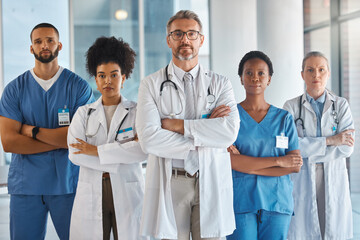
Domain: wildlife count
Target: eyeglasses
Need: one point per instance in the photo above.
(178, 35)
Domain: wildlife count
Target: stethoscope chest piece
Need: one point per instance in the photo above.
(210, 99)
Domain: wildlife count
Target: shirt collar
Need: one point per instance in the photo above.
(179, 73)
(321, 99)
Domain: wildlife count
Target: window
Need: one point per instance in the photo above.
(146, 33)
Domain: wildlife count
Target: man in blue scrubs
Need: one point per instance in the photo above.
(35, 111)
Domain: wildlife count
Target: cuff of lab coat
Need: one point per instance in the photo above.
(187, 130)
(321, 150)
(112, 153)
(194, 135)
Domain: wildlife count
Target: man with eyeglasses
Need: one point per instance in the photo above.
(186, 118)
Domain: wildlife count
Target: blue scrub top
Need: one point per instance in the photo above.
(24, 100)
(254, 192)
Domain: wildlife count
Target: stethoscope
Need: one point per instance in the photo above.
(210, 98)
(88, 135)
(301, 121)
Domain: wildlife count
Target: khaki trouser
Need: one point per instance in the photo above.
(185, 197)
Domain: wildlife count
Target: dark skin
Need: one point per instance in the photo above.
(256, 78)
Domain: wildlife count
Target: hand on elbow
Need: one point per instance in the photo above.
(290, 160)
(342, 138)
(296, 169)
(174, 125)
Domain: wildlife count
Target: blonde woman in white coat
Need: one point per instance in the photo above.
(102, 141)
(326, 137)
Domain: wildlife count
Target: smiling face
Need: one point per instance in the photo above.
(109, 80)
(315, 74)
(45, 44)
(255, 76)
(185, 49)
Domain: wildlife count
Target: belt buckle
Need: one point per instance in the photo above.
(196, 175)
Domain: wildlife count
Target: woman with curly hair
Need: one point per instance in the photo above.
(102, 141)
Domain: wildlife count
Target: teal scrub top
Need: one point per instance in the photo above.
(24, 100)
(254, 192)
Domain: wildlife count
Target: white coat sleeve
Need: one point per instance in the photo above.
(77, 130)
(315, 148)
(127, 153)
(152, 138)
(217, 132)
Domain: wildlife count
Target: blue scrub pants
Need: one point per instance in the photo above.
(28, 215)
(261, 225)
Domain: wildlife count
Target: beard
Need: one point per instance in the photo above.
(179, 56)
(52, 56)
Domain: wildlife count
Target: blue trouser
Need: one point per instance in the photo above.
(28, 215)
(261, 225)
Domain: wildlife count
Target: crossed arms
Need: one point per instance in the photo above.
(17, 137)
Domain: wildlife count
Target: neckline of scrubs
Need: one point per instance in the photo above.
(52, 86)
(249, 117)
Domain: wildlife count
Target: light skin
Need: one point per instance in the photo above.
(185, 48)
(188, 50)
(17, 137)
(255, 79)
(316, 73)
(109, 79)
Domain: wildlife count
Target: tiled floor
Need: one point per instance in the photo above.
(51, 234)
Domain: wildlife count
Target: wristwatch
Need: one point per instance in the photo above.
(35, 131)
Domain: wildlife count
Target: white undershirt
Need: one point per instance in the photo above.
(109, 113)
(46, 84)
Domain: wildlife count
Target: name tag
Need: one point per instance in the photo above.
(205, 114)
(282, 141)
(63, 116)
(125, 134)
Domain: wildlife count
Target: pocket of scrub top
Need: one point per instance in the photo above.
(83, 203)
(134, 192)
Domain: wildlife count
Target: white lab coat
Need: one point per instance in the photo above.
(211, 138)
(305, 223)
(122, 161)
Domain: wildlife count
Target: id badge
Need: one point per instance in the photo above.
(282, 141)
(125, 134)
(205, 114)
(64, 117)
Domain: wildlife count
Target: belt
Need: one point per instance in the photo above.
(178, 172)
(106, 175)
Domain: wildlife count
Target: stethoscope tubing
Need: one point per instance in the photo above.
(90, 110)
(210, 97)
(299, 119)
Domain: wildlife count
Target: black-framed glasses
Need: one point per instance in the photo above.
(178, 35)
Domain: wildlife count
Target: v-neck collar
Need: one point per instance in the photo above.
(248, 115)
(52, 86)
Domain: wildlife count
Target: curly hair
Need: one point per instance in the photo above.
(110, 49)
(255, 54)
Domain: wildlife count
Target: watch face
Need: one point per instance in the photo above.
(35, 131)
